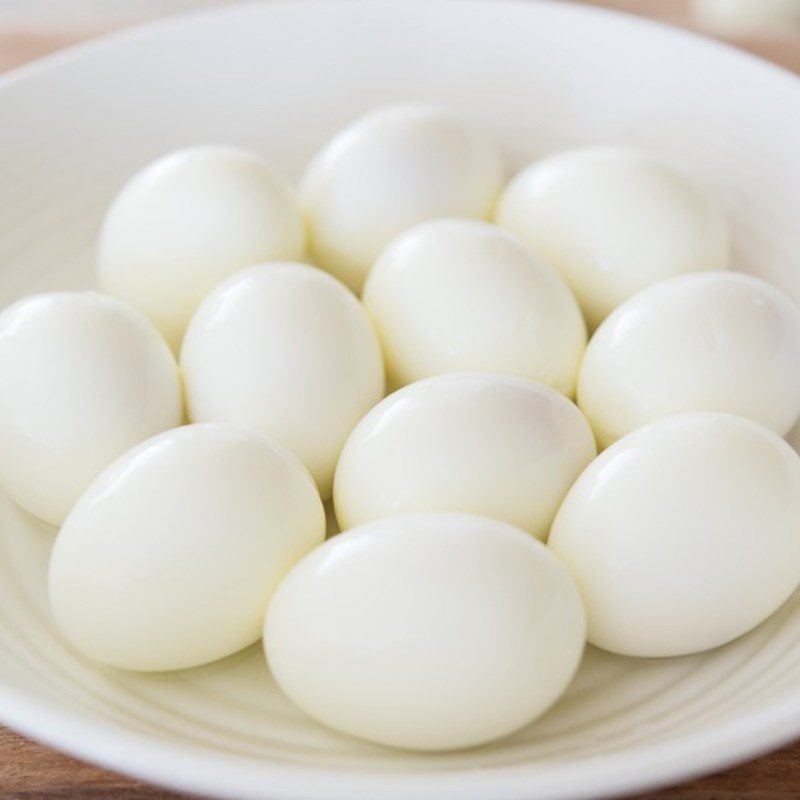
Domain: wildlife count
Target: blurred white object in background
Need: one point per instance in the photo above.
(748, 17)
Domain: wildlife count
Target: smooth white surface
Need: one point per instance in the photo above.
(188, 220)
(225, 729)
(683, 535)
(387, 171)
(287, 350)
(426, 631)
(454, 294)
(494, 445)
(169, 559)
(83, 379)
(613, 221)
(717, 341)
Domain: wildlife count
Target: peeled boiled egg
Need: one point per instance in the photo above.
(285, 349)
(683, 535)
(456, 295)
(170, 557)
(189, 220)
(613, 221)
(495, 445)
(84, 378)
(429, 631)
(387, 171)
(714, 341)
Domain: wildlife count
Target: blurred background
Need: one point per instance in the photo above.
(32, 28)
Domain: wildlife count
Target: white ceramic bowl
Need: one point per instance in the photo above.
(281, 78)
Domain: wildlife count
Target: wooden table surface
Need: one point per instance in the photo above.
(29, 771)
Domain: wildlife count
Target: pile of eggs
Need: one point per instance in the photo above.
(453, 414)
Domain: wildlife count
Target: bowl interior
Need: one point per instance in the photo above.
(280, 78)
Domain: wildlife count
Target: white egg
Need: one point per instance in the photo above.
(613, 221)
(716, 341)
(387, 171)
(495, 445)
(171, 556)
(457, 295)
(286, 349)
(429, 631)
(84, 378)
(189, 220)
(683, 535)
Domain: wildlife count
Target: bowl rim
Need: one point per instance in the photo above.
(96, 44)
(189, 768)
(637, 769)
